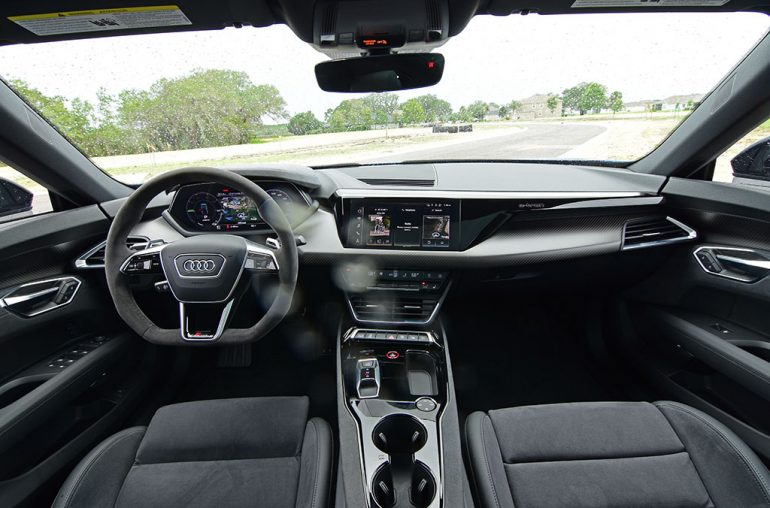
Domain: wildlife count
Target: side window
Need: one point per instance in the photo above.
(20, 196)
(748, 160)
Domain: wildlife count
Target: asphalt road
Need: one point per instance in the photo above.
(538, 141)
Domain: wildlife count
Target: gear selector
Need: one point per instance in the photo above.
(368, 378)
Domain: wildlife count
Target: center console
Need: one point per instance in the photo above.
(395, 385)
(399, 428)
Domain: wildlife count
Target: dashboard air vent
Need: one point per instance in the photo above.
(94, 258)
(392, 309)
(655, 231)
(398, 181)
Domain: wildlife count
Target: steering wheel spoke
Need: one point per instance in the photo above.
(260, 259)
(203, 321)
(144, 262)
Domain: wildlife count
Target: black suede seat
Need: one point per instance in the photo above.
(611, 454)
(216, 453)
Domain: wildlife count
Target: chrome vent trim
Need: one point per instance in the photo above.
(94, 257)
(655, 232)
(394, 309)
(398, 181)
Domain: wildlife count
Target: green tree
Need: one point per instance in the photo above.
(462, 115)
(478, 110)
(351, 115)
(412, 112)
(205, 108)
(615, 102)
(71, 119)
(382, 106)
(514, 106)
(436, 110)
(304, 123)
(585, 97)
(552, 103)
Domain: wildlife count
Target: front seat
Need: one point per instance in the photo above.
(611, 454)
(215, 453)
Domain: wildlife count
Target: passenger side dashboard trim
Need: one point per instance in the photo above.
(459, 194)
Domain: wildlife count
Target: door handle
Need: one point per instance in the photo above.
(737, 263)
(762, 264)
(37, 297)
(10, 301)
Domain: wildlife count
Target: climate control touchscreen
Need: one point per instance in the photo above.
(400, 225)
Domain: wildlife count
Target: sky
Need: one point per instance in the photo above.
(496, 59)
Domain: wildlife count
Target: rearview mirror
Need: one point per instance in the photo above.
(753, 162)
(13, 198)
(385, 73)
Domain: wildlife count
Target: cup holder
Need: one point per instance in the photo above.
(383, 490)
(403, 481)
(399, 435)
(423, 486)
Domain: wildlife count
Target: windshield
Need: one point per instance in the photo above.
(585, 87)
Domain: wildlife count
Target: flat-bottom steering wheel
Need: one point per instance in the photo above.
(202, 271)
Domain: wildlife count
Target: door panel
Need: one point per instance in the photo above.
(699, 327)
(69, 372)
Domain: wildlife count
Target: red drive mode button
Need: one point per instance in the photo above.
(392, 355)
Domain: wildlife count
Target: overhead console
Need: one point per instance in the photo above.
(347, 29)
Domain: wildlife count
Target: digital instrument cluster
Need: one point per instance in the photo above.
(430, 224)
(215, 207)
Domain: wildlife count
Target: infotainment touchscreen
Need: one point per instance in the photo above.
(403, 225)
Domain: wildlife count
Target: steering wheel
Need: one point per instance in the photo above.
(202, 271)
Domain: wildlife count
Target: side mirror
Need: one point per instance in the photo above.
(753, 162)
(13, 198)
(384, 73)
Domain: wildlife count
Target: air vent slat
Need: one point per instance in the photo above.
(654, 232)
(652, 228)
(398, 181)
(395, 309)
(95, 257)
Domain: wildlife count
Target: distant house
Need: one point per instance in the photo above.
(681, 102)
(537, 107)
(642, 106)
(672, 103)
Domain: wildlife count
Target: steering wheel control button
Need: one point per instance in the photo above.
(392, 355)
(143, 263)
(260, 259)
(426, 404)
(162, 286)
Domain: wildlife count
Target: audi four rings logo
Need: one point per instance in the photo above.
(199, 266)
